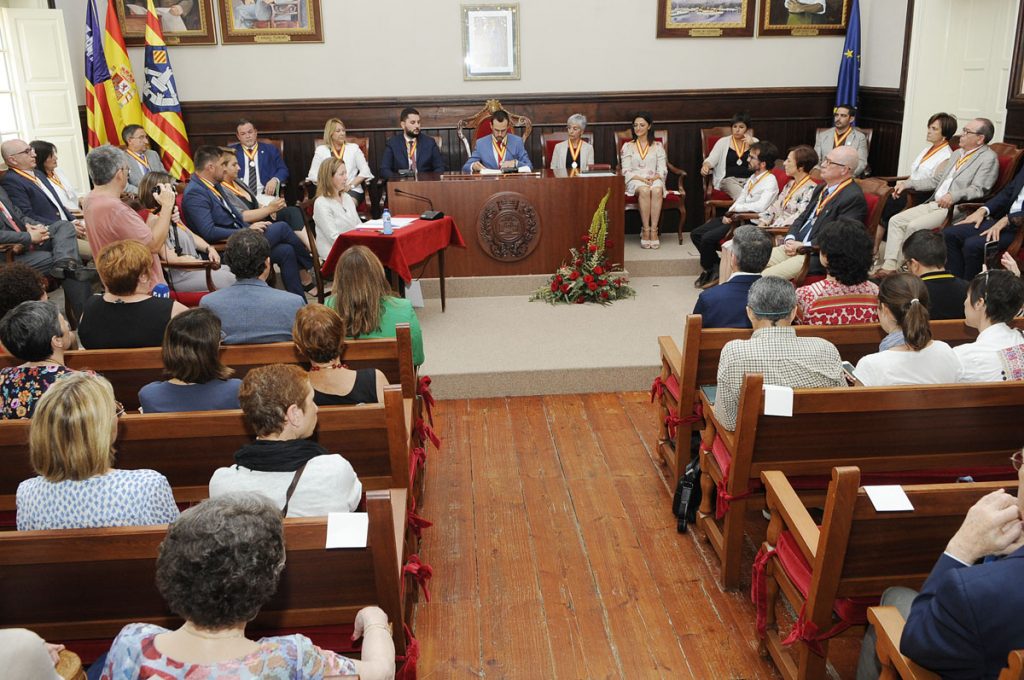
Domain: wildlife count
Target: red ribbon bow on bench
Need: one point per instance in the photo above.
(417, 461)
(416, 523)
(421, 573)
(423, 389)
(425, 432)
(407, 664)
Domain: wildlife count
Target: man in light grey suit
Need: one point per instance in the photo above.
(844, 134)
(970, 174)
(141, 159)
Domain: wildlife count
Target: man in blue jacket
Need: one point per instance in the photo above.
(28, 187)
(262, 168)
(499, 149)
(410, 145)
(725, 305)
(997, 220)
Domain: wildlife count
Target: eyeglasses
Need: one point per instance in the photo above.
(118, 409)
(828, 161)
(965, 131)
(26, 150)
(1017, 459)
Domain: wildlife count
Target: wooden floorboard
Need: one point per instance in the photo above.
(555, 554)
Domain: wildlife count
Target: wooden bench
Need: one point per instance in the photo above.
(81, 586)
(685, 367)
(831, 573)
(188, 447)
(888, 623)
(129, 370)
(902, 434)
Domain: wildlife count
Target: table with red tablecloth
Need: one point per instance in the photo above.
(407, 246)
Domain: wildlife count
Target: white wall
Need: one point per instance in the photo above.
(383, 48)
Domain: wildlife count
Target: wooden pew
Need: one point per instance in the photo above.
(888, 623)
(188, 447)
(129, 370)
(82, 586)
(856, 553)
(894, 434)
(694, 362)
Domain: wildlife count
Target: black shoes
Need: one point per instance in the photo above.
(71, 269)
(702, 279)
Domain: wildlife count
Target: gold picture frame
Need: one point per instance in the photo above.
(815, 17)
(270, 21)
(183, 22)
(490, 42)
(705, 18)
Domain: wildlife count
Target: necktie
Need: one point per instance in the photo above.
(251, 177)
(9, 217)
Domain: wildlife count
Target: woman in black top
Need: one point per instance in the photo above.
(126, 315)
(320, 336)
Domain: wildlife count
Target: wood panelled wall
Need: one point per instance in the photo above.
(786, 116)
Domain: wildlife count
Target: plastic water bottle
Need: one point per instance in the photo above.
(386, 219)
(161, 290)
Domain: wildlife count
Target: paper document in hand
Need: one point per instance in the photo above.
(347, 529)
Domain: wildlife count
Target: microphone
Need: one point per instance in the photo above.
(429, 214)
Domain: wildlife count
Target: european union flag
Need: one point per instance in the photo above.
(849, 65)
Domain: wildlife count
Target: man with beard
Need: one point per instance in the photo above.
(410, 149)
(844, 134)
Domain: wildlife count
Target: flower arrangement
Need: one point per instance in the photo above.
(587, 276)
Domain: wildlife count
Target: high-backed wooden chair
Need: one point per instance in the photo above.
(480, 124)
(675, 199)
(868, 132)
(714, 199)
(1010, 159)
(371, 188)
(548, 141)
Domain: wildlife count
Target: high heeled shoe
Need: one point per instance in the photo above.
(644, 242)
(655, 239)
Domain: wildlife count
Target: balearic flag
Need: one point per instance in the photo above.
(126, 107)
(161, 108)
(849, 65)
(98, 88)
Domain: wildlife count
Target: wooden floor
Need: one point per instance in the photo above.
(555, 554)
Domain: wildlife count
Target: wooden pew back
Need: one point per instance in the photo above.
(188, 447)
(86, 584)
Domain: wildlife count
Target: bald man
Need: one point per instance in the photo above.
(837, 196)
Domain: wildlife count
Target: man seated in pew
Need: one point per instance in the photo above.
(37, 334)
(759, 190)
(925, 254)
(250, 311)
(966, 619)
(302, 478)
(843, 133)
(219, 565)
(773, 350)
(994, 298)
(320, 337)
(725, 306)
(71, 448)
(907, 355)
(845, 295)
(499, 150)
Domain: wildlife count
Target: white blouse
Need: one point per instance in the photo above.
(355, 163)
(925, 169)
(936, 364)
(65, 191)
(981, 359)
(333, 217)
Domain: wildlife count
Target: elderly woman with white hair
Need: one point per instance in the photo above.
(574, 153)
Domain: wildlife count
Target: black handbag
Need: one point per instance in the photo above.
(688, 495)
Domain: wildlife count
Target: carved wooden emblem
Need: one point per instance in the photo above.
(509, 227)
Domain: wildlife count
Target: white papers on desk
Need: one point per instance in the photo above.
(396, 222)
(778, 401)
(889, 498)
(489, 171)
(347, 529)
(600, 173)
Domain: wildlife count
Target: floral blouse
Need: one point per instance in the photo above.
(134, 655)
(21, 387)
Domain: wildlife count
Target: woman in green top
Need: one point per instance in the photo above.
(364, 301)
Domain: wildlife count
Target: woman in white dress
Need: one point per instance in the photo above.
(908, 355)
(334, 210)
(334, 144)
(645, 167)
(574, 154)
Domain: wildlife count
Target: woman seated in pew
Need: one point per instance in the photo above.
(191, 355)
(301, 477)
(37, 334)
(334, 211)
(220, 563)
(364, 301)
(908, 355)
(125, 315)
(845, 296)
(71, 448)
(320, 337)
(994, 298)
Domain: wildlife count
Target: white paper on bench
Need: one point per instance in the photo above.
(347, 529)
(888, 498)
(778, 400)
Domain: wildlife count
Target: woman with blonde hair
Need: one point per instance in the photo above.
(71, 448)
(319, 335)
(334, 144)
(334, 211)
(364, 301)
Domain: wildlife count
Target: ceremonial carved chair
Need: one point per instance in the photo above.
(480, 124)
(549, 140)
(675, 199)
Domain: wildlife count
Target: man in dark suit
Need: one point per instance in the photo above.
(925, 253)
(28, 187)
(422, 149)
(998, 220)
(208, 213)
(837, 196)
(725, 305)
(263, 169)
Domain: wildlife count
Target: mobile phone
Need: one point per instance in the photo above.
(848, 370)
(992, 255)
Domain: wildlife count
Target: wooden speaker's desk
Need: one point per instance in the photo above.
(514, 224)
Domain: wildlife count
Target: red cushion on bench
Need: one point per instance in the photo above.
(189, 299)
(722, 456)
(852, 610)
(672, 385)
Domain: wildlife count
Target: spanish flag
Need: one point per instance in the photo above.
(98, 89)
(160, 103)
(126, 107)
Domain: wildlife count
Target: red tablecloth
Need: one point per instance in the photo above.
(402, 249)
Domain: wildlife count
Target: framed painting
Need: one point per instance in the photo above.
(705, 18)
(490, 42)
(270, 21)
(184, 22)
(804, 17)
